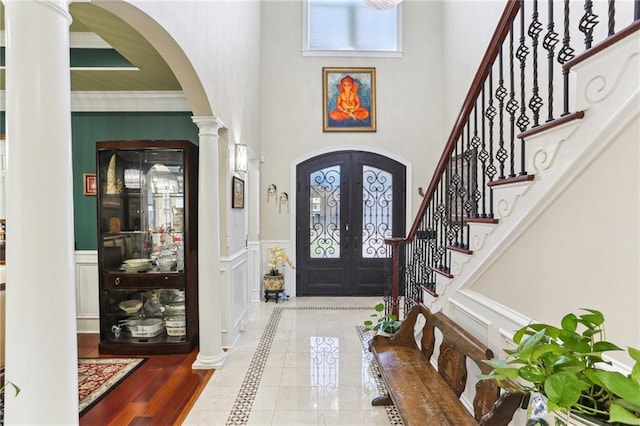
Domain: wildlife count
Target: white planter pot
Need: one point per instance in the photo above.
(538, 410)
(561, 419)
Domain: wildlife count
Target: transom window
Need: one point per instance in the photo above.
(350, 28)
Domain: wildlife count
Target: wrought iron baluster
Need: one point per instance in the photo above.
(501, 93)
(443, 213)
(549, 43)
(433, 242)
(465, 195)
(523, 120)
(564, 55)
(491, 168)
(535, 28)
(587, 23)
(512, 107)
(484, 155)
(452, 198)
(465, 167)
(612, 17)
(467, 187)
(473, 172)
(460, 193)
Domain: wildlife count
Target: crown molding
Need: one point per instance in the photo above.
(123, 101)
(77, 40)
(87, 40)
(129, 101)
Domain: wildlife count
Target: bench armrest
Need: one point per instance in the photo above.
(504, 409)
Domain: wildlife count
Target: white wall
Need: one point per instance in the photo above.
(583, 251)
(221, 39)
(409, 99)
(463, 50)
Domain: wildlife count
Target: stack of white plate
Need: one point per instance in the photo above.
(136, 265)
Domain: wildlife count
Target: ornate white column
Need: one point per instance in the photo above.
(211, 354)
(41, 348)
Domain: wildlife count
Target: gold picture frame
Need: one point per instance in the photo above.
(349, 99)
(90, 184)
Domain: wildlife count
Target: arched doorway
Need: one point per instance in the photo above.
(347, 203)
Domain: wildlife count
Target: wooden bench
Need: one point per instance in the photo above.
(426, 396)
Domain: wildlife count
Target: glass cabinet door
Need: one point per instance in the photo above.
(142, 210)
(147, 246)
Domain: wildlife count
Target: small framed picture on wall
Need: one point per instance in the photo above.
(90, 184)
(237, 193)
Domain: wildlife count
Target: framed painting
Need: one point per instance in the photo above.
(349, 99)
(90, 184)
(237, 193)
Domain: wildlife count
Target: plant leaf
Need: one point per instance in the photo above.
(603, 346)
(627, 405)
(592, 321)
(547, 349)
(570, 322)
(495, 363)
(379, 307)
(619, 384)
(622, 415)
(531, 374)
(566, 361)
(595, 317)
(563, 389)
(528, 344)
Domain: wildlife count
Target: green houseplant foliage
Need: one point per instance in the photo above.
(566, 365)
(388, 323)
(16, 389)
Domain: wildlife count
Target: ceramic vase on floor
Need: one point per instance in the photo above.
(273, 282)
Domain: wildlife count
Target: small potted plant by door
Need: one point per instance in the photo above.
(565, 366)
(274, 279)
(384, 324)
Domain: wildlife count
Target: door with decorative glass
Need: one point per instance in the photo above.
(348, 202)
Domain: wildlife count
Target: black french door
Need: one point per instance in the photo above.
(347, 203)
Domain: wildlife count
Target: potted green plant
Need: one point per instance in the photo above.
(565, 364)
(386, 324)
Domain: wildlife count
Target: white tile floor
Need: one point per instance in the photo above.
(299, 362)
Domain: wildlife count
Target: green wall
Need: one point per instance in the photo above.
(90, 127)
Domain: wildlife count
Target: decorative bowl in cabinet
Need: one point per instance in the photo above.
(130, 306)
(148, 327)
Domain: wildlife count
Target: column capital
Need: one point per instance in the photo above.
(60, 6)
(208, 125)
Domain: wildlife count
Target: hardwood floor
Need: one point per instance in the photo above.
(160, 392)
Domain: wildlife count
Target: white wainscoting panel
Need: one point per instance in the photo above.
(233, 276)
(254, 272)
(87, 305)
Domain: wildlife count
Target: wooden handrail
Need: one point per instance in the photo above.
(499, 36)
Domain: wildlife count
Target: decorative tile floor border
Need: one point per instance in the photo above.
(365, 336)
(241, 409)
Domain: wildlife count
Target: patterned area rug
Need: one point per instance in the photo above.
(98, 376)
